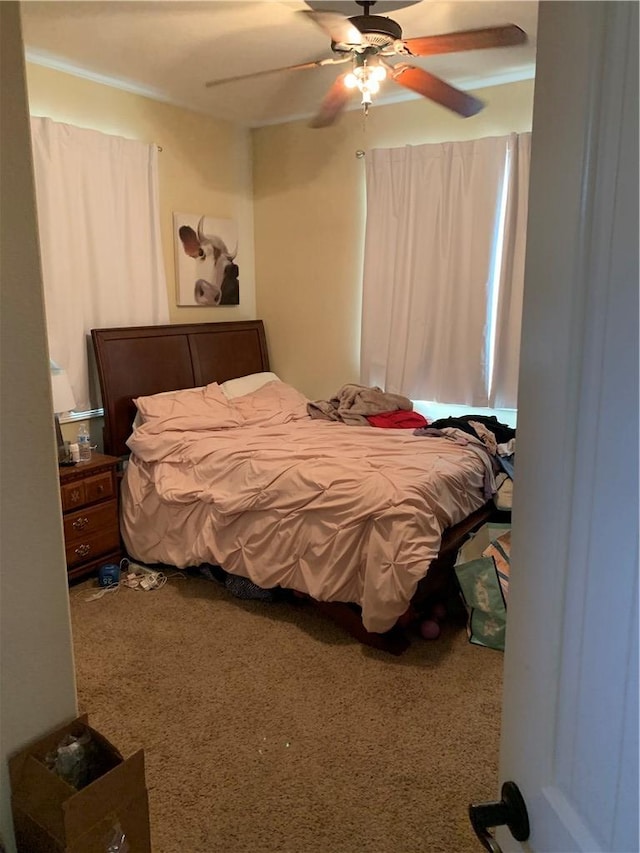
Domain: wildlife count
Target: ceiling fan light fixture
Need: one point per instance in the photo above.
(366, 78)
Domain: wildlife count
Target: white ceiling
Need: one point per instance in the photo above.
(168, 49)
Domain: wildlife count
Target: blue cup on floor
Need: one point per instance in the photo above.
(109, 575)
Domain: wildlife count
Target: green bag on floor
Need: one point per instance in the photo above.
(482, 570)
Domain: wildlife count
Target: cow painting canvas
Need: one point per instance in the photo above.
(206, 249)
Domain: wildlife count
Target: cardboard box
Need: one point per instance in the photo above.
(52, 816)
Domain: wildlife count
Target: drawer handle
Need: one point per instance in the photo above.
(80, 523)
(100, 489)
(83, 550)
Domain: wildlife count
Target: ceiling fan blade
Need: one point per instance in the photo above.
(338, 27)
(435, 89)
(318, 63)
(381, 6)
(504, 36)
(332, 104)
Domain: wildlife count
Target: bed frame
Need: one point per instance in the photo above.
(138, 361)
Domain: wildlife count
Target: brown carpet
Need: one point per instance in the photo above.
(266, 729)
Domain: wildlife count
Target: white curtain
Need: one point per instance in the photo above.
(98, 220)
(437, 228)
(510, 277)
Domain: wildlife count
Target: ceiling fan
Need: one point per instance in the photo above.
(367, 41)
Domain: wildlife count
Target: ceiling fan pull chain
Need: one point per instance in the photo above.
(365, 114)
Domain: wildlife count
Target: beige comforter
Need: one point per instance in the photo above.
(344, 513)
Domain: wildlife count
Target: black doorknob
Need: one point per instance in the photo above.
(511, 811)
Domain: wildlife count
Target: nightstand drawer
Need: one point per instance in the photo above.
(92, 546)
(99, 487)
(79, 525)
(77, 493)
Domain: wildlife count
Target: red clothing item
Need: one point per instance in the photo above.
(399, 419)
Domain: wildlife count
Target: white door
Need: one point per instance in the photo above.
(570, 713)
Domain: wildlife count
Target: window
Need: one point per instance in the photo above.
(444, 270)
(98, 222)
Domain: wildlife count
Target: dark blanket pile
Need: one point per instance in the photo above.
(502, 432)
(491, 433)
(483, 426)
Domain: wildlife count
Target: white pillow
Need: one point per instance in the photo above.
(246, 384)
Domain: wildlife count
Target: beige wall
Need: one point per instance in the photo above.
(309, 224)
(305, 202)
(204, 167)
(38, 685)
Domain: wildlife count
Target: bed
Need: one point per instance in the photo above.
(363, 522)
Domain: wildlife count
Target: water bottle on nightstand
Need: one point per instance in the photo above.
(84, 443)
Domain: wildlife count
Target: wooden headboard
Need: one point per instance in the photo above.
(135, 361)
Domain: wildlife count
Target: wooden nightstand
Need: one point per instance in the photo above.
(89, 492)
